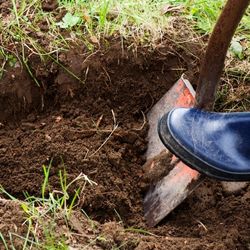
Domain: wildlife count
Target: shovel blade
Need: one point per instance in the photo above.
(181, 94)
(171, 190)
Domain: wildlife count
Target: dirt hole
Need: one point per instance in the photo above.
(75, 123)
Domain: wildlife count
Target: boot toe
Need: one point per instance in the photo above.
(216, 144)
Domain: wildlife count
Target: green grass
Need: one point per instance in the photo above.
(143, 20)
(90, 22)
(42, 213)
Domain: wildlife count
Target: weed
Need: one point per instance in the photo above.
(68, 21)
(236, 48)
(6, 58)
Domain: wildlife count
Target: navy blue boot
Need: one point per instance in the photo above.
(215, 144)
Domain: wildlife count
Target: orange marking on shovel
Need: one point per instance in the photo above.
(187, 170)
(186, 99)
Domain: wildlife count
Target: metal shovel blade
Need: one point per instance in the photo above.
(171, 190)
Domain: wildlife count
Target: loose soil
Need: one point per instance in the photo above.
(98, 127)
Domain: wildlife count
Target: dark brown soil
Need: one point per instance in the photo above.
(74, 123)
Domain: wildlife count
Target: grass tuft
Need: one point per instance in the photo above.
(43, 213)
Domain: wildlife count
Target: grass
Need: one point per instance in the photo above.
(30, 30)
(89, 21)
(45, 215)
(42, 213)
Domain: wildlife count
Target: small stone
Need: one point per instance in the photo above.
(233, 187)
(58, 119)
(42, 125)
(47, 137)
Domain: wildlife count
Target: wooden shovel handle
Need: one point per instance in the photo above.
(218, 45)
